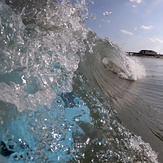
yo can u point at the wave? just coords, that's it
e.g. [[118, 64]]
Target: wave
[[109, 69], [54, 73]]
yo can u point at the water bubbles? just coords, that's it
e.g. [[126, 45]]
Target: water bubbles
[[106, 13], [29, 12], [30, 115], [11, 145], [47, 136], [59, 101], [77, 119], [47, 38]]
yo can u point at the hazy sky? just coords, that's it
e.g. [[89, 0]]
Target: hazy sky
[[132, 24]]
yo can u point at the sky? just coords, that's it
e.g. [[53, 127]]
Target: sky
[[133, 25]]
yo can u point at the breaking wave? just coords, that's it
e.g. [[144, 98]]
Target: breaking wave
[[53, 73]]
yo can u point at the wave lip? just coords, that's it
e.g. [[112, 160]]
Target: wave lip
[[131, 70]]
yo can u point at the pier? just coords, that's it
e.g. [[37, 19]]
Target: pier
[[146, 53]]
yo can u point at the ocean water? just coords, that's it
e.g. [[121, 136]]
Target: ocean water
[[67, 95], [143, 113]]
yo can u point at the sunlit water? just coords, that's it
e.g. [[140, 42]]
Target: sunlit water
[[60, 86]]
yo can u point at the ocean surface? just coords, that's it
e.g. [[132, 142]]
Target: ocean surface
[[68, 96], [144, 114]]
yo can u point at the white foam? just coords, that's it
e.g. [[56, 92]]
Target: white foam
[[135, 67]]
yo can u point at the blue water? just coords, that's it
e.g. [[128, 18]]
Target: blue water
[[67, 95], [46, 134]]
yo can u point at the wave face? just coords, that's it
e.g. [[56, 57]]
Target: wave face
[[110, 70], [53, 73]]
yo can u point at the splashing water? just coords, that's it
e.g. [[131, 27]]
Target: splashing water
[[49, 111], [46, 53]]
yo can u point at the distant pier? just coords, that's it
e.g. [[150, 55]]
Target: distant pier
[[147, 53]]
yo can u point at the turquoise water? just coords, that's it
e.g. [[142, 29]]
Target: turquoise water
[[65, 94]]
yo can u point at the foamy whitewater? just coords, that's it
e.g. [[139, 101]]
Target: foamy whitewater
[[59, 84]]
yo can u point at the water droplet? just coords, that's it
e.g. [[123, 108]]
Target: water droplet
[[11, 145], [77, 119], [106, 13]]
